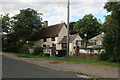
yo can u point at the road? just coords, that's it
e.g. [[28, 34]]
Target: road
[[12, 68]]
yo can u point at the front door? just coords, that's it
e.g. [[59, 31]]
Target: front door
[[53, 50]]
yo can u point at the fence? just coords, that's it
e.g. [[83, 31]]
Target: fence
[[89, 53]]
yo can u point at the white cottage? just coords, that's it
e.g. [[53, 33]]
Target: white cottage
[[51, 35]]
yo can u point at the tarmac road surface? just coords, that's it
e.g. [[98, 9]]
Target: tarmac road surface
[[12, 68]]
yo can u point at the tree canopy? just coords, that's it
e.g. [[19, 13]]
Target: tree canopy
[[109, 21], [112, 32], [26, 23], [5, 23], [114, 8], [88, 26]]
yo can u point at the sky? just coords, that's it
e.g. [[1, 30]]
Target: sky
[[55, 11]]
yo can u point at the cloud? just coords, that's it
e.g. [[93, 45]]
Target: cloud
[[88, 7], [55, 12], [55, 0], [55, 19]]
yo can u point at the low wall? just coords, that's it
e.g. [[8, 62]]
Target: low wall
[[91, 51]]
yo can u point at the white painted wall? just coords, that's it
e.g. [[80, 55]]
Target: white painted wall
[[62, 33], [99, 42], [73, 44], [98, 39], [48, 42]]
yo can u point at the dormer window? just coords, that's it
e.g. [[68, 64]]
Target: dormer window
[[53, 39]]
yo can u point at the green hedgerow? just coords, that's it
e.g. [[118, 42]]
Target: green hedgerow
[[38, 50]]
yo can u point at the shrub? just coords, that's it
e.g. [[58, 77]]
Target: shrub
[[24, 49], [38, 50], [103, 56], [10, 49], [108, 57]]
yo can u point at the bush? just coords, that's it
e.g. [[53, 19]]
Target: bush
[[108, 57], [10, 49], [24, 49], [38, 50], [103, 56]]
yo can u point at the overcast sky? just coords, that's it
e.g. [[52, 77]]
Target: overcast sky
[[56, 11]]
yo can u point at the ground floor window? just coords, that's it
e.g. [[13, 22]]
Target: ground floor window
[[64, 46], [44, 45]]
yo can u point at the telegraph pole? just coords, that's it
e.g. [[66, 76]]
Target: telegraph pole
[[68, 11]]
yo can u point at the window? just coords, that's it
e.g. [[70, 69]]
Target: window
[[64, 46], [53, 39], [92, 43], [45, 40], [47, 45], [53, 45], [44, 45]]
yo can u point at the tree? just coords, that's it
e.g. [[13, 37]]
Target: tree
[[109, 21], [26, 23], [87, 25], [5, 22], [114, 8], [112, 35]]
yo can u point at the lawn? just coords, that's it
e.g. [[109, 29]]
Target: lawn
[[70, 59]]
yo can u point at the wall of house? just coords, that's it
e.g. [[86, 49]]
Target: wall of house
[[96, 42], [62, 33], [48, 42], [98, 39], [73, 44], [71, 47], [99, 42]]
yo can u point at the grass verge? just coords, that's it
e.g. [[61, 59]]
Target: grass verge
[[29, 55], [77, 60], [86, 61]]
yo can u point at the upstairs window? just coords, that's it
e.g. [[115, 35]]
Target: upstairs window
[[45, 39], [53, 39]]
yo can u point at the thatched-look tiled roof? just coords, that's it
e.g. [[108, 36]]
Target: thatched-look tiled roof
[[47, 32]]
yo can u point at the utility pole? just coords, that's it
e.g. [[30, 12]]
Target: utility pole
[[68, 28]]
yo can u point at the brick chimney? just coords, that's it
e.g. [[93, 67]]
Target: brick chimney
[[45, 24]]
